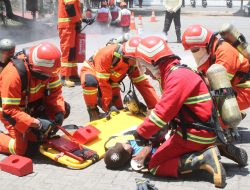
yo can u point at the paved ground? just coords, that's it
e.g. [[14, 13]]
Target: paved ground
[[48, 175]]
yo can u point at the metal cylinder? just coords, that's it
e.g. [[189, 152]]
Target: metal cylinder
[[231, 35], [227, 105]]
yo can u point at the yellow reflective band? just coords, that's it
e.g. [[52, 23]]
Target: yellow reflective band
[[154, 170], [102, 75], [67, 1], [64, 19], [11, 101], [1, 109], [139, 79], [90, 92], [156, 120], [197, 139], [63, 64], [116, 74], [230, 76], [198, 99], [173, 68], [115, 85], [159, 81], [116, 54], [244, 85], [12, 146], [36, 89], [55, 84], [241, 58]]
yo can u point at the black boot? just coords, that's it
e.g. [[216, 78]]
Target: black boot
[[234, 153], [178, 35], [206, 160], [93, 113]]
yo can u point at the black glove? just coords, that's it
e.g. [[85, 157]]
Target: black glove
[[45, 126], [59, 117], [140, 141], [88, 21], [144, 184], [78, 27]]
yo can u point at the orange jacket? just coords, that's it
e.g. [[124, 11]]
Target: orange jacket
[[64, 20], [106, 73], [13, 99], [234, 62]]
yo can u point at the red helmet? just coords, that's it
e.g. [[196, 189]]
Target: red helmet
[[45, 58], [111, 2], [129, 47], [152, 48], [196, 36]]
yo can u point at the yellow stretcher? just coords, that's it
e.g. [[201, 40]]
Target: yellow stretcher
[[119, 123]]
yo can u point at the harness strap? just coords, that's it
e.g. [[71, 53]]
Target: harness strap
[[117, 55], [223, 92]]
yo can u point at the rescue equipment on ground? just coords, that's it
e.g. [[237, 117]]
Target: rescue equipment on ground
[[223, 91], [132, 102], [106, 128], [17, 165]]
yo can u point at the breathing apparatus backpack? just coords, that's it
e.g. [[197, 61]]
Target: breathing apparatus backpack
[[221, 87], [212, 125]]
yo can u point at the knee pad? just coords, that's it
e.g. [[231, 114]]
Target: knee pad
[[67, 109], [90, 81]]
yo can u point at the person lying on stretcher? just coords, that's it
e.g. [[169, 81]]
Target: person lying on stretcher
[[123, 149]]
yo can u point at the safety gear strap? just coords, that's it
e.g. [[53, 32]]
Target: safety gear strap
[[223, 92], [21, 69], [212, 125], [117, 55]]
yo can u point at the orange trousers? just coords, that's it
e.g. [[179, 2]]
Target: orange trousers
[[91, 90], [68, 48]]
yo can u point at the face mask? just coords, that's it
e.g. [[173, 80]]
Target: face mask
[[149, 69], [201, 56]]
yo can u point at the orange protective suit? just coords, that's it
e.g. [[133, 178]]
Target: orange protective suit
[[234, 62], [102, 76], [47, 92], [67, 34]]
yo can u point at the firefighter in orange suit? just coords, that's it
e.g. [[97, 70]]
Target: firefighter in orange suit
[[208, 49], [69, 23], [101, 76], [31, 98]]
